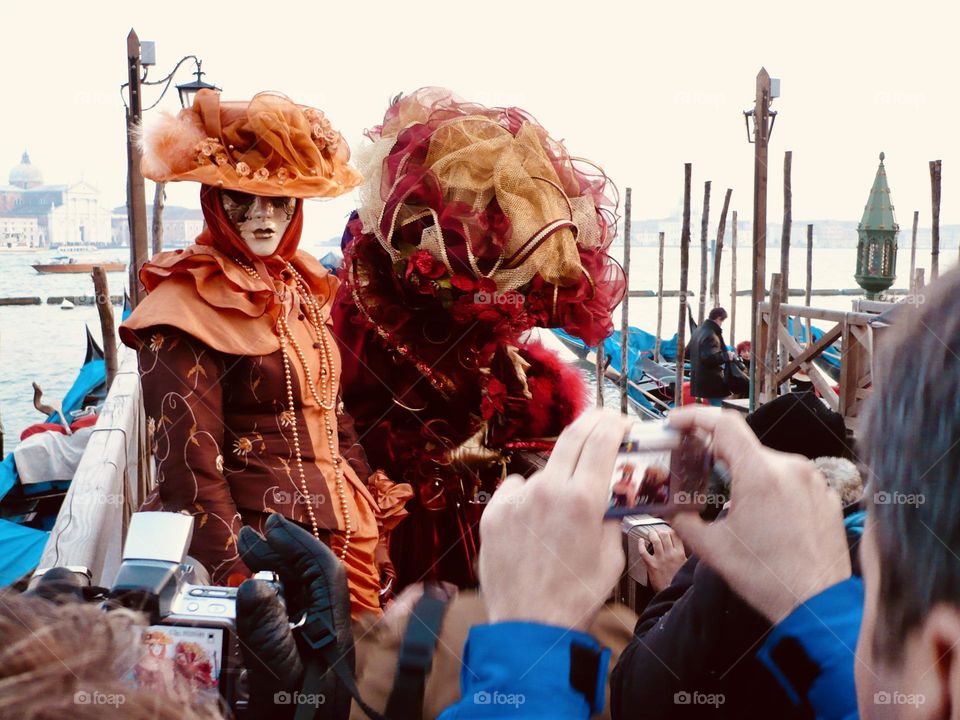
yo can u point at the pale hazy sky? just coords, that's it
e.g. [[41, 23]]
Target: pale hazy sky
[[640, 88]]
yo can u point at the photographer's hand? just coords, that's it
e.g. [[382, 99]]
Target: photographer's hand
[[782, 540], [317, 585], [547, 555], [665, 560]]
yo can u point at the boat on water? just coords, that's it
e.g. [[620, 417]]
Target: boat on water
[[69, 264]]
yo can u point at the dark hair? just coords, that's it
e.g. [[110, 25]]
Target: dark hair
[[718, 313], [910, 445]]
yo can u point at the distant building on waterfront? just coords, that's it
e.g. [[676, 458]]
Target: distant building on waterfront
[[180, 225], [34, 214]]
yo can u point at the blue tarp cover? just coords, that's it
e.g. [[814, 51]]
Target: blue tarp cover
[[22, 548]]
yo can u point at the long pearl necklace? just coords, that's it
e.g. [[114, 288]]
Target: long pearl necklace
[[309, 302]]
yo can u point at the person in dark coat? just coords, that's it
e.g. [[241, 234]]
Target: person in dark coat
[[708, 356]]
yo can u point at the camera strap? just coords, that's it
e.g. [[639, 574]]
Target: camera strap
[[416, 657], [313, 683]]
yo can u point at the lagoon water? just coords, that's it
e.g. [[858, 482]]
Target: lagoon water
[[45, 344]]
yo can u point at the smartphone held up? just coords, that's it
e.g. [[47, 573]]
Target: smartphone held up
[[660, 471]]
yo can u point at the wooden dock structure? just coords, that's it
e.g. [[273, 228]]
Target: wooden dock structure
[[110, 483]]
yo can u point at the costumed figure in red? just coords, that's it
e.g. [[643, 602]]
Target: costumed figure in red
[[474, 228]]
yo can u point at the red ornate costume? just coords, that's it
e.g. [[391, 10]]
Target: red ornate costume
[[474, 227]]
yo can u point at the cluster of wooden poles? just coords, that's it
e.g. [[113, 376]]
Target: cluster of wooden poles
[[916, 276]]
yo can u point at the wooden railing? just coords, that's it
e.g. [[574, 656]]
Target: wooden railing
[[855, 334], [111, 481]]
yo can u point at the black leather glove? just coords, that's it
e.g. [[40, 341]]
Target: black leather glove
[[317, 660], [270, 654]]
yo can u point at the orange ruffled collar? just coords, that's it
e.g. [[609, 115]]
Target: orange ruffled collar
[[207, 294]]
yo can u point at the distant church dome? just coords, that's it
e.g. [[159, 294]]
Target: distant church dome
[[26, 175]]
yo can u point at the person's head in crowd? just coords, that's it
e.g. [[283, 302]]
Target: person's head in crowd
[[72, 661], [718, 315], [843, 478], [909, 644], [800, 423], [744, 351]]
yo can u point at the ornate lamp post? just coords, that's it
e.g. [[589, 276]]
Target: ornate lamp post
[[140, 57], [877, 246], [763, 119]]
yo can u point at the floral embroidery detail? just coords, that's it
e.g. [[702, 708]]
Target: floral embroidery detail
[[219, 463], [287, 418], [221, 159], [198, 368], [193, 435], [242, 446], [283, 174], [156, 342], [261, 174], [243, 169]]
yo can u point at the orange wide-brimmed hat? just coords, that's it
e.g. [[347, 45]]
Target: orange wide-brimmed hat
[[268, 146]]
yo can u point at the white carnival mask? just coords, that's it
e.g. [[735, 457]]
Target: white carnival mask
[[261, 221]]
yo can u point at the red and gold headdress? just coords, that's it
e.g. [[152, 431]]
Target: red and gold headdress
[[474, 226]]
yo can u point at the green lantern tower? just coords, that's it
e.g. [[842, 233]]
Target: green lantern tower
[[877, 246]]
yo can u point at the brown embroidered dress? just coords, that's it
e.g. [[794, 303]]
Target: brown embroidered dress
[[211, 339]]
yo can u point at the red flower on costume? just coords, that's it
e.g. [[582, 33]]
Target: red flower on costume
[[494, 399]]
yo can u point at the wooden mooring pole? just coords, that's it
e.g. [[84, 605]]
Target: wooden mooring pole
[[656, 347], [704, 222], [809, 277], [761, 136], [785, 241], [770, 389], [733, 281], [108, 326], [684, 269], [159, 200], [935, 227], [718, 253], [787, 222], [913, 250], [136, 201], [625, 307]]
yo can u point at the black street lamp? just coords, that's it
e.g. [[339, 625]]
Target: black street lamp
[[188, 91]]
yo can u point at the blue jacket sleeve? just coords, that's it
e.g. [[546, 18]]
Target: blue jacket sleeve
[[811, 652], [522, 671]]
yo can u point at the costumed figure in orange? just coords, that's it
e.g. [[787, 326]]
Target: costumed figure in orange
[[474, 228], [240, 373]]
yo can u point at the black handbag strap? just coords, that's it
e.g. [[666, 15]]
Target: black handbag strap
[[416, 657]]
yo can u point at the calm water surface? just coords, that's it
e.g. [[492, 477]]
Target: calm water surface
[[45, 344]]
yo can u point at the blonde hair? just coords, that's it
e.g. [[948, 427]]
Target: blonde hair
[[842, 476], [71, 661]]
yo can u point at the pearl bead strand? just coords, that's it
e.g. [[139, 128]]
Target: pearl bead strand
[[286, 338]]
